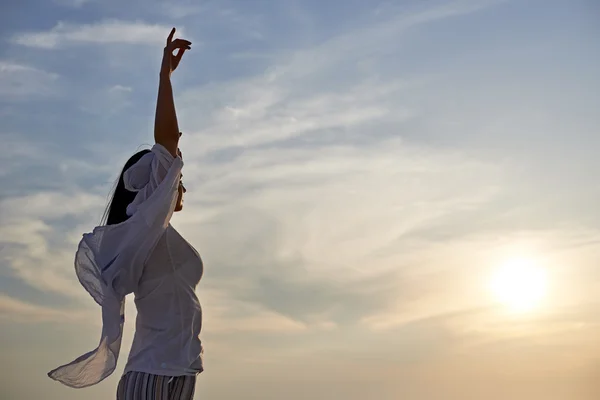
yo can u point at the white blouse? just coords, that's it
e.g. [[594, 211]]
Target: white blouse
[[146, 256]]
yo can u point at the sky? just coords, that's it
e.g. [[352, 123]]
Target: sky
[[358, 175]]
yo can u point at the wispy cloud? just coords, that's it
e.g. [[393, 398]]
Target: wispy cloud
[[226, 316], [105, 32], [32, 250], [17, 311], [73, 3], [180, 9], [22, 152], [20, 82], [120, 89], [107, 101]]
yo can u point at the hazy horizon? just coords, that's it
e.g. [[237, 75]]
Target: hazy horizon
[[393, 199]]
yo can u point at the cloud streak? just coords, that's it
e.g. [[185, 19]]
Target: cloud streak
[[16, 311], [106, 32], [21, 82]]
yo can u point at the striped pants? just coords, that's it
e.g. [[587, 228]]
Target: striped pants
[[143, 386]]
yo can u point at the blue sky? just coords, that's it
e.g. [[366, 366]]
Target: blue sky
[[356, 172]]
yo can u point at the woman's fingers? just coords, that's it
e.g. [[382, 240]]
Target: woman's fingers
[[180, 53], [170, 38], [177, 57], [177, 43], [180, 43], [181, 47]]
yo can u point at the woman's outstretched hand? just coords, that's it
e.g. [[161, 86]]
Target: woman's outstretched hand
[[170, 61]]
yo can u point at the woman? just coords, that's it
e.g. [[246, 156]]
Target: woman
[[138, 251]]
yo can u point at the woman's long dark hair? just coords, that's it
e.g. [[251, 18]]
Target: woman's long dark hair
[[116, 211]]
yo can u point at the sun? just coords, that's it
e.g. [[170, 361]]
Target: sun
[[519, 284]]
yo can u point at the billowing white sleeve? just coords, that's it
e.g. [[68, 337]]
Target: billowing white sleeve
[[110, 260]]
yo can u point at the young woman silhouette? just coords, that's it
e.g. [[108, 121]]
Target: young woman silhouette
[[137, 251]]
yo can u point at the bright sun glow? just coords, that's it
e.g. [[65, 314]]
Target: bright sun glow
[[519, 284]]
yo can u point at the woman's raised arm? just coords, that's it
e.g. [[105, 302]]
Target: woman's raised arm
[[166, 129]]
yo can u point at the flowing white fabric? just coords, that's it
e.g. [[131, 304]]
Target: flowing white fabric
[[110, 260]]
